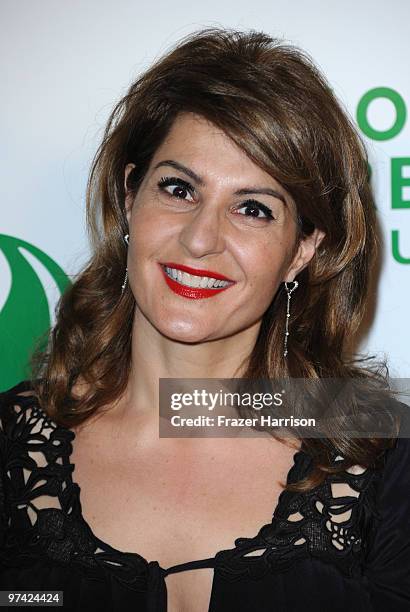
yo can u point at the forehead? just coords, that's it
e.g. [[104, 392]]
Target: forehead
[[207, 150]]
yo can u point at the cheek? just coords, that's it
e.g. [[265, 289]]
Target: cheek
[[264, 267], [149, 232], [265, 286]]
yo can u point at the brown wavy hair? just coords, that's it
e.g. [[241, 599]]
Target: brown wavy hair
[[273, 102]]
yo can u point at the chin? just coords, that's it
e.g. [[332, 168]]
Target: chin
[[182, 331]]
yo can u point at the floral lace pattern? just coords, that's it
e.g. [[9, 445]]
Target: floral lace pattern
[[329, 522], [44, 518]]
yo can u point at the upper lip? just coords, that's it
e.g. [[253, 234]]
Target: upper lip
[[196, 271]]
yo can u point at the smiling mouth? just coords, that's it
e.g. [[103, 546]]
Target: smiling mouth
[[193, 285]]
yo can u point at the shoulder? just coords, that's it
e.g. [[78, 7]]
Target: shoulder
[[397, 457], [395, 477], [392, 515], [14, 401], [387, 561], [20, 413], [22, 390], [29, 438]]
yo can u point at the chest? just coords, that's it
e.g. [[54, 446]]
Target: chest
[[176, 503]]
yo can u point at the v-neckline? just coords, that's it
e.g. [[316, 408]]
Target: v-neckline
[[102, 544], [153, 571], [106, 547]]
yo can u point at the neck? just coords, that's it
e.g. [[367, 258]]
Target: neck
[[156, 356]]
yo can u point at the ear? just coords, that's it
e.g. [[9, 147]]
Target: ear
[[129, 196], [304, 254]]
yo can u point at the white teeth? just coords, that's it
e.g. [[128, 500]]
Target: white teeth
[[171, 272], [186, 279], [191, 280]]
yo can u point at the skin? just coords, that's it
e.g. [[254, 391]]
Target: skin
[[212, 229], [174, 486]]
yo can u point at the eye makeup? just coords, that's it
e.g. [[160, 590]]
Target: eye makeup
[[168, 181], [258, 206]]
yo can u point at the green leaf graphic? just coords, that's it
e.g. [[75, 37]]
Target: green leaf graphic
[[25, 316]]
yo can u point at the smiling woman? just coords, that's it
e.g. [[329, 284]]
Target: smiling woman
[[232, 216], [233, 234]]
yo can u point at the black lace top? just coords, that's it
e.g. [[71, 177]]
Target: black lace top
[[343, 546]]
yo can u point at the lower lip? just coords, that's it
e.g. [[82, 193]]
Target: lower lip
[[194, 293]]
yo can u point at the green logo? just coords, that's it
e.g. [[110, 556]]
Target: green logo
[[399, 166], [399, 107], [25, 316]]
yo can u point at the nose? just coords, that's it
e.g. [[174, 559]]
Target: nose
[[203, 231]]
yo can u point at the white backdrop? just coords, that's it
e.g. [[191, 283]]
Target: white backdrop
[[65, 63]]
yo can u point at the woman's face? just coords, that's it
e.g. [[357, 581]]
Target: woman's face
[[204, 204]]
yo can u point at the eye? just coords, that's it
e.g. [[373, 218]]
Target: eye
[[179, 187], [254, 208]]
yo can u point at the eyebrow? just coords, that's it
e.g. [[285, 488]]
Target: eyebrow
[[244, 191]]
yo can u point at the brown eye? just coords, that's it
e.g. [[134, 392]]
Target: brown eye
[[179, 188], [253, 209]]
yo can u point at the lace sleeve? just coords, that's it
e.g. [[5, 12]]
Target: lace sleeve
[[8, 401], [387, 563], [3, 451]]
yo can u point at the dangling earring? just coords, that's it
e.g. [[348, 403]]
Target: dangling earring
[[126, 238], [289, 292]]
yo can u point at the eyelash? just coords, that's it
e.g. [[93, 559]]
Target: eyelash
[[167, 181]]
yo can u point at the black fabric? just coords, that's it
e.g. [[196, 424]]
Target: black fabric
[[340, 549]]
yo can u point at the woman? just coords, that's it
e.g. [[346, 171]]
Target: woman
[[229, 156]]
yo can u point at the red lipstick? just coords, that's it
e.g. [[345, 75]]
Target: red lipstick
[[193, 292], [196, 271]]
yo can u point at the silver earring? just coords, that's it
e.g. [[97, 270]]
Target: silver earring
[[126, 238], [289, 292]]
